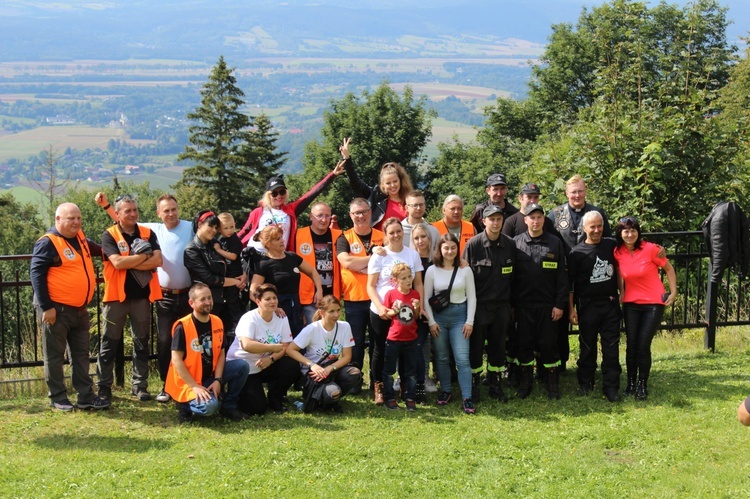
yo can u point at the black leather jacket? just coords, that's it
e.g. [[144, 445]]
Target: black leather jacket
[[205, 265]]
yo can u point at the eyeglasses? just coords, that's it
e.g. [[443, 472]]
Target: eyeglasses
[[359, 213], [416, 205], [628, 220], [321, 217], [280, 192]]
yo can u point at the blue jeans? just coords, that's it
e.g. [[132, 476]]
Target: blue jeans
[[235, 374], [409, 351], [358, 317], [451, 322]]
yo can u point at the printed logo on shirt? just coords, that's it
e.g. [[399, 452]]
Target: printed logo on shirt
[[602, 271], [356, 248], [549, 265], [305, 249], [68, 253], [405, 314], [196, 346], [507, 270], [122, 246]]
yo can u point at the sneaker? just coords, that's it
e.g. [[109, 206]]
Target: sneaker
[[411, 405], [184, 416], [397, 385], [141, 394], [105, 393], [163, 397], [95, 403], [420, 395], [468, 406], [430, 386], [444, 398], [63, 405], [234, 414], [391, 404]]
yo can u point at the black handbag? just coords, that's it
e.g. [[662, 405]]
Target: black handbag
[[440, 301]]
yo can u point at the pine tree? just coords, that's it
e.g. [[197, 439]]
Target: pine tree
[[232, 159]]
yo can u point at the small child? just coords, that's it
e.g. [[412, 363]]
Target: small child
[[230, 247], [403, 308]]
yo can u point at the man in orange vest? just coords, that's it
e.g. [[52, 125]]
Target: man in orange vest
[[353, 251], [453, 211], [64, 280], [316, 245], [199, 367], [131, 255]]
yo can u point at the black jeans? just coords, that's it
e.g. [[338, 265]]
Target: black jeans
[[641, 323], [379, 331], [168, 310], [599, 318], [279, 376]]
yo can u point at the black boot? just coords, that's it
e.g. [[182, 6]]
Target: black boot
[[513, 374], [553, 383], [641, 390], [525, 379], [630, 387], [496, 388], [476, 382]]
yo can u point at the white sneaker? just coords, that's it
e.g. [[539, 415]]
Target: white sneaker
[[163, 397], [397, 385], [430, 386]]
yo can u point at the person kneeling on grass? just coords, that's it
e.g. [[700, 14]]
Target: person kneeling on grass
[[403, 306], [328, 346], [198, 368]]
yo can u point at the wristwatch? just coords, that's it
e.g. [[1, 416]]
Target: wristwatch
[[219, 379], [333, 366]]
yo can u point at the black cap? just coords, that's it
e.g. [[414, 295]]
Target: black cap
[[532, 208], [496, 179], [275, 182], [530, 189], [492, 209]]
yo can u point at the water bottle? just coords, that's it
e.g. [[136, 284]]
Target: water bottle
[[299, 405]]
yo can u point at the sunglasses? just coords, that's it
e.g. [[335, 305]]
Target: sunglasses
[[628, 220], [125, 197], [280, 192]]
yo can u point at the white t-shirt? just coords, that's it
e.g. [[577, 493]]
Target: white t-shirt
[[382, 266], [172, 273], [272, 216], [251, 325], [317, 341], [437, 279]]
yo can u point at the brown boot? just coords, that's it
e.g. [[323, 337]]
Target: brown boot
[[379, 393]]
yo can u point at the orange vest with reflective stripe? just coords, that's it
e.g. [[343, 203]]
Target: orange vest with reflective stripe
[[467, 232], [114, 280], [74, 281], [303, 246], [354, 284], [176, 386]]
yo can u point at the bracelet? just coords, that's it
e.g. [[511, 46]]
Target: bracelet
[[105, 208]]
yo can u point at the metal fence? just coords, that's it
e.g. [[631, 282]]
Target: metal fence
[[20, 344]]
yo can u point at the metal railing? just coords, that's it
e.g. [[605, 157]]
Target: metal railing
[[20, 344]]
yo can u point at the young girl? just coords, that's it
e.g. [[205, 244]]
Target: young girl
[[328, 341], [403, 307]]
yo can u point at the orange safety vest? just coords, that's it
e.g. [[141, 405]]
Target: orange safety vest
[[114, 280], [467, 232], [176, 386], [74, 281], [354, 284], [303, 246]]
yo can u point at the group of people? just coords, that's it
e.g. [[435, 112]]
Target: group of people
[[477, 297]]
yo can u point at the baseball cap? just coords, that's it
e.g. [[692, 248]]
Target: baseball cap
[[275, 182], [496, 179], [532, 208], [530, 189], [491, 210]]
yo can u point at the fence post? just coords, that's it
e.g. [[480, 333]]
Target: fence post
[[709, 334]]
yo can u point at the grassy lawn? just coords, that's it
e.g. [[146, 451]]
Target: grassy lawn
[[683, 442]]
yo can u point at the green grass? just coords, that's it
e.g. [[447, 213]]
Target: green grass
[[683, 442]]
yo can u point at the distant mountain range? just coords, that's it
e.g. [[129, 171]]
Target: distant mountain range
[[201, 30]]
